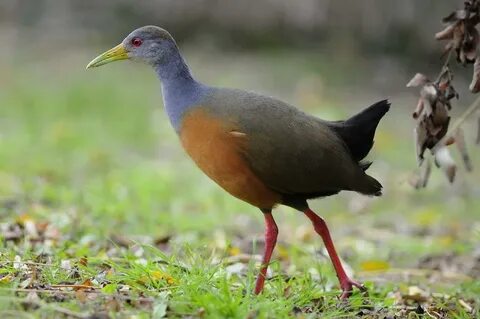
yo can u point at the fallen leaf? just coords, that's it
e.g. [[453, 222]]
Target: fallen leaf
[[30, 229], [157, 276], [234, 251], [201, 312], [160, 306], [22, 218], [236, 269], [465, 305], [121, 240], [5, 279], [162, 240], [87, 284], [374, 265], [66, 264], [416, 294], [83, 261], [242, 258], [17, 262]]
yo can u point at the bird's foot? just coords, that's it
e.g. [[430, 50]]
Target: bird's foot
[[347, 287]]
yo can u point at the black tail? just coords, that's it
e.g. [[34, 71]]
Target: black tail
[[358, 131], [370, 186]]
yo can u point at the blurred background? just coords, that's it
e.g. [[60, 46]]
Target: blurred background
[[93, 151]]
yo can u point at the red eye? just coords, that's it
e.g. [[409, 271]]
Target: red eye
[[136, 42]]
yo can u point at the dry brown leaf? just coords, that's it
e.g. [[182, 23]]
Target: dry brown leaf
[[86, 285], [121, 240], [420, 138], [83, 261], [461, 34], [418, 109], [469, 45], [455, 16], [431, 113], [475, 84], [446, 34], [418, 80], [444, 160], [162, 240]]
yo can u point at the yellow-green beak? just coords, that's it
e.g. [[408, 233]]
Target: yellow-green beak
[[115, 54]]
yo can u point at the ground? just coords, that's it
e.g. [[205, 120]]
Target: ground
[[104, 216]]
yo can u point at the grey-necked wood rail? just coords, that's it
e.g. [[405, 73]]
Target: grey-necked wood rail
[[259, 149]]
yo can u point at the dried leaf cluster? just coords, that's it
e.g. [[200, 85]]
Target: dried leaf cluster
[[461, 32], [434, 105]]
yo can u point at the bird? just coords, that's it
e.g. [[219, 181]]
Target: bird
[[257, 148]]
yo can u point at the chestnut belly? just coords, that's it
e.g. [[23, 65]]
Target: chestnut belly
[[216, 148]]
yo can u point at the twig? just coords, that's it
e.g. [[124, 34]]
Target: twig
[[445, 66], [478, 129], [462, 148], [74, 286]]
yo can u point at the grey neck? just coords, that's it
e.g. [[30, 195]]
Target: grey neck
[[179, 88]]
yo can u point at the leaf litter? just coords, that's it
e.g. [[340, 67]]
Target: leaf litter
[[91, 287]]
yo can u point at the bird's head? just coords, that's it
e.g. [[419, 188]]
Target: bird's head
[[149, 44]]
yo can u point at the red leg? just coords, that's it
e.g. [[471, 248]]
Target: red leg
[[271, 232], [321, 228]]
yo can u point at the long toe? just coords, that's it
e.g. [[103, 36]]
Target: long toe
[[347, 288]]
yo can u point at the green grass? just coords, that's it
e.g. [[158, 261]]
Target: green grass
[[91, 156]]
